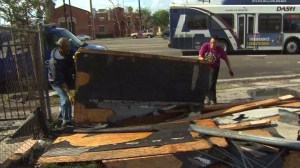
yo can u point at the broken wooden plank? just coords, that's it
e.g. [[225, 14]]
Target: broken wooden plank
[[90, 140], [249, 124], [135, 54], [215, 107], [291, 105], [295, 99], [219, 141], [281, 142], [146, 162], [127, 129], [129, 153], [246, 106], [85, 115]]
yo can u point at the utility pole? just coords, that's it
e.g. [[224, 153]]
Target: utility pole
[[71, 26], [92, 20], [66, 21], [140, 16]]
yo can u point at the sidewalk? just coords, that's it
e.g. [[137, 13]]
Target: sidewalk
[[235, 89]]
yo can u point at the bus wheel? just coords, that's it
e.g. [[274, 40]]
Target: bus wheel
[[224, 45], [291, 46]]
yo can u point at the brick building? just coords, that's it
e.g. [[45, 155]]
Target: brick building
[[81, 22], [114, 22]]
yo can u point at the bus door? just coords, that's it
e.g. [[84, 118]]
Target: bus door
[[246, 26]]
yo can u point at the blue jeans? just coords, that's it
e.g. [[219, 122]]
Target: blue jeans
[[65, 104]]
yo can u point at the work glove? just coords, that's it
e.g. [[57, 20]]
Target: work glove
[[231, 73], [71, 97], [75, 56]]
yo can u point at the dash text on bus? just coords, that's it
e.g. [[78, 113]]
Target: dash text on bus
[[286, 9]]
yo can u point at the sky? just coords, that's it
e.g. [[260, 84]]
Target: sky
[[153, 5]]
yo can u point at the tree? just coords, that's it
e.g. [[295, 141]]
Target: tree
[[128, 16], [146, 18], [161, 18], [115, 12], [129, 9], [21, 13]]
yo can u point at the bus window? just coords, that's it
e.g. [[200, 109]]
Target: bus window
[[291, 23], [197, 22], [228, 19], [269, 23]]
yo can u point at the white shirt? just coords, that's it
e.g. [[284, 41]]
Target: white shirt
[[55, 54]]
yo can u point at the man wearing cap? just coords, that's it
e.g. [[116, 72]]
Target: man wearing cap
[[60, 78]]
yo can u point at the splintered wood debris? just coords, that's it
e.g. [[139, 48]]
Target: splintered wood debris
[[225, 134]]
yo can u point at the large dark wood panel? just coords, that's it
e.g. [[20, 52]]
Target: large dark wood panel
[[114, 75], [170, 138]]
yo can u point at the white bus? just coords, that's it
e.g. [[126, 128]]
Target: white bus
[[249, 25]]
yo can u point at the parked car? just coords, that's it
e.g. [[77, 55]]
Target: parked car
[[143, 34], [84, 37]]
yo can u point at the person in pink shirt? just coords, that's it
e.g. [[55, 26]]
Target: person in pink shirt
[[212, 53]]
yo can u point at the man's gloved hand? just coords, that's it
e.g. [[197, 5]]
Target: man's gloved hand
[[71, 97], [231, 73]]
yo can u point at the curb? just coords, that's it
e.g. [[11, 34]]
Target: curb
[[256, 79]]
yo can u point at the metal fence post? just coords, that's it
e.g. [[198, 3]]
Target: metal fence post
[[45, 82], [36, 52]]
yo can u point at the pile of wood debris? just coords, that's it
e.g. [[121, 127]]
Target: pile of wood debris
[[260, 133]]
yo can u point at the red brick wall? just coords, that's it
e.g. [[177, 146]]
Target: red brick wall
[[82, 19], [112, 20], [106, 22]]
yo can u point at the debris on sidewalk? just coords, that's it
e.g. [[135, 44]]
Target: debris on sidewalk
[[154, 118], [256, 138]]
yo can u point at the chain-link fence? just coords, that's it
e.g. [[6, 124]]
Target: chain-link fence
[[22, 91]]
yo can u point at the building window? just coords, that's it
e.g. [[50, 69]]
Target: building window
[[101, 29], [62, 24], [101, 19]]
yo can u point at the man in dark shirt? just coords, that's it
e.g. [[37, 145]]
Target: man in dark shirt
[[60, 78], [212, 53]]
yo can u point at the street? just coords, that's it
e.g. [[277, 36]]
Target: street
[[245, 64]]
